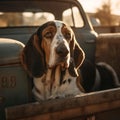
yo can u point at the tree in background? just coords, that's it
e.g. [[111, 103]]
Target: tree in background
[[104, 14]]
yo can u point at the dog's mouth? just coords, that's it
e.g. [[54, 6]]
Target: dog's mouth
[[62, 61]]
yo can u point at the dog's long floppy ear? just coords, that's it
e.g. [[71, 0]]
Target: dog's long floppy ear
[[77, 57], [33, 57]]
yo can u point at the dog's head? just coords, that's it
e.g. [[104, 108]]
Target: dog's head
[[53, 44]]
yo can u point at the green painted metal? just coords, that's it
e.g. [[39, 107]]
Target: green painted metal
[[14, 84]]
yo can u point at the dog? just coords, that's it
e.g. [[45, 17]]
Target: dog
[[52, 57]]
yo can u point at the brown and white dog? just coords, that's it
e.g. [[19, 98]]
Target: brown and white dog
[[52, 57]]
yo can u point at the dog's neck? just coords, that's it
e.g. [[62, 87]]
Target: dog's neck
[[55, 76], [55, 83]]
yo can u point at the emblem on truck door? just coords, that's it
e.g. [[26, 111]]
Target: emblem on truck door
[[7, 81]]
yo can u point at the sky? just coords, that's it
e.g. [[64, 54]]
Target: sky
[[92, 5]]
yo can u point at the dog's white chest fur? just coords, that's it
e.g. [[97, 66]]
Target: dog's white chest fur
[[51, 86]]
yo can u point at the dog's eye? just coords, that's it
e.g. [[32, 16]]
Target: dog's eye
[[48, 35], [67, 36]]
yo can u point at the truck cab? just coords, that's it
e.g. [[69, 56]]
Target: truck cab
[[25, 17]]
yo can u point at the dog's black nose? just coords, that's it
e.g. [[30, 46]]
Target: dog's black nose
[[62, 50]]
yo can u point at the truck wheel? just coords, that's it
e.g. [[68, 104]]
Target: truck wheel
[[108, 76]]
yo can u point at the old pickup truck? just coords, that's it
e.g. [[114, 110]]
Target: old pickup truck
[[18, 21]]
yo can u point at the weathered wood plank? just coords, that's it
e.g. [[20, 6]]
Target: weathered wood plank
[[76, 112], [108, 50], [68, 107]]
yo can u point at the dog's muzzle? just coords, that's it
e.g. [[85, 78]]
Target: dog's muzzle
[[63, 55]]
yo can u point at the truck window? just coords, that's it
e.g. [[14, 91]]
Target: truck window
[[12, 19], [73, 17]]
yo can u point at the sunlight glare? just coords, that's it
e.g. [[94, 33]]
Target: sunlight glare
[[92, 5], [27, 14]]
